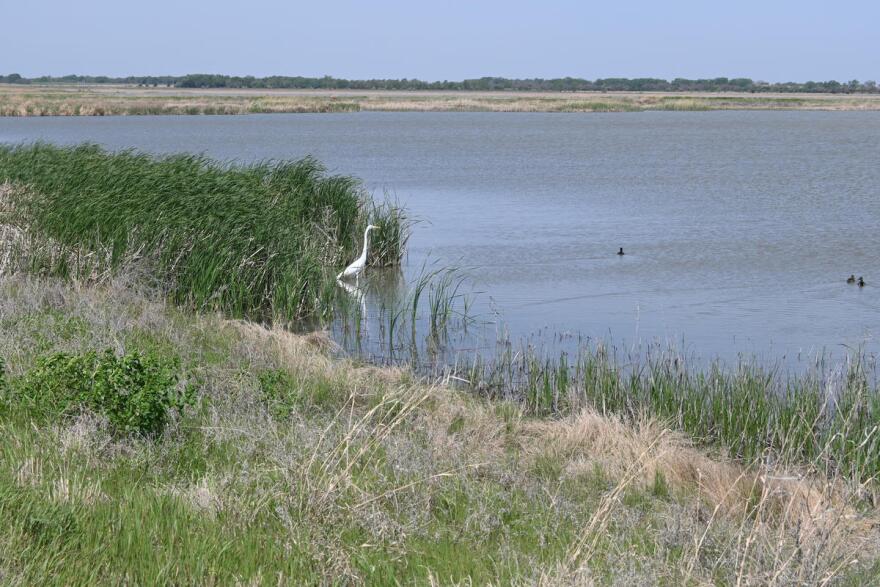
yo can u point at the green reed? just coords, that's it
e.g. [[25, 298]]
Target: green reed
[[252, 241], [825, 418]]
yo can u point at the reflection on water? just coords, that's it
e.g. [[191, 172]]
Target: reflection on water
[[423, 322], [740, 228]]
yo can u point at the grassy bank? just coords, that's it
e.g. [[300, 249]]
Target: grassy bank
[[826, 417], [259, 241], [50, 100], [284, 466]]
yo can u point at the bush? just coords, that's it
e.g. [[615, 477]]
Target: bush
[[135, 391], [277, 388]]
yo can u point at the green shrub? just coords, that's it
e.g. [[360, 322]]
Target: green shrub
[[135, 391]]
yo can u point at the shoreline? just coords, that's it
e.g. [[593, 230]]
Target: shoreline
[[290, 464], [75, 100]]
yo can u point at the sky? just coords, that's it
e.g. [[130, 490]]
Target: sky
[[768, 40]]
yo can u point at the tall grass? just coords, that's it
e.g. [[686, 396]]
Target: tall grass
[[257, 241], [825, 418], [388, 243]]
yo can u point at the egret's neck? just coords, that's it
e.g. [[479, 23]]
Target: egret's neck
[[363, 256]]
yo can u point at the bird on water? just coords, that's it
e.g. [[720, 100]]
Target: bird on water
[[861, 281], [620, 252], [357, 267], [851, 279]]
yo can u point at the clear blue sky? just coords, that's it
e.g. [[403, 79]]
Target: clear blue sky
[[771, 40]]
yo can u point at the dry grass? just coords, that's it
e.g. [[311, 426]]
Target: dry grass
[[789, 515], [769, 505], [104, 101], [785, 526]]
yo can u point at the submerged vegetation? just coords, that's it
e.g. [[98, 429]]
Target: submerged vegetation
[[258, 241]]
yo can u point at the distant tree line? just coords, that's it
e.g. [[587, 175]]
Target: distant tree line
[[137, 80], [566, 84]]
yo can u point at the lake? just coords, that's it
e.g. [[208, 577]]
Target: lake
[[739, 228]]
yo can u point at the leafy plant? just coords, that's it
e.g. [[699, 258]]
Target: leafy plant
[[276, 386], [135, 391]]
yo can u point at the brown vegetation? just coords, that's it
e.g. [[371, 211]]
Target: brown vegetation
[[35, 100]]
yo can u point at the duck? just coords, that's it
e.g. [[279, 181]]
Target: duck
[[851, 279], [620, 252], [861, 281]]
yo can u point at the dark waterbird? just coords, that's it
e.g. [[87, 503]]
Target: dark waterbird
[[861, 281], [851, 279], [620, 252]]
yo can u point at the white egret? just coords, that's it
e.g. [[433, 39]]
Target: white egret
[[356, 268]]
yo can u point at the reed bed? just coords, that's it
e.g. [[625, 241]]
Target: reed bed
[[55, 102], [260, 241]]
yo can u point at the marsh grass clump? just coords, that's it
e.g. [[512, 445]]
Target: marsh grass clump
[[417, 325], [248, 240]]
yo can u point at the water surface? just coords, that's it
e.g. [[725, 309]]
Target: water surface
[[739, 228]]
